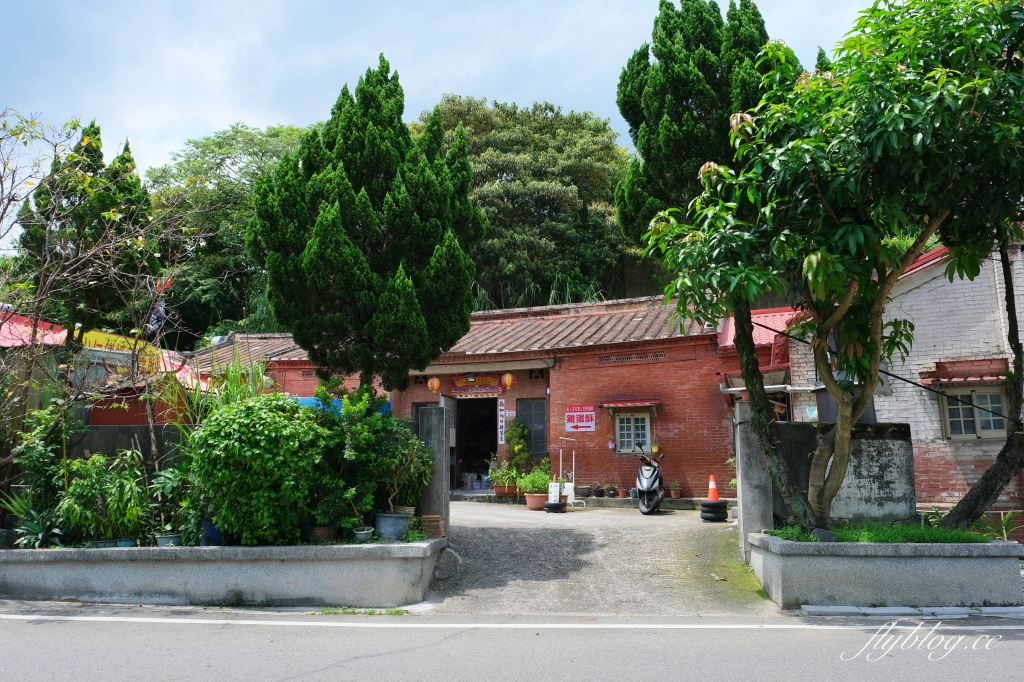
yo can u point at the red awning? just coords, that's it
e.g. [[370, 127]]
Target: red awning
[[644, 402]]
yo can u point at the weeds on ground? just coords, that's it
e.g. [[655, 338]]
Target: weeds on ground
[[348, 611]]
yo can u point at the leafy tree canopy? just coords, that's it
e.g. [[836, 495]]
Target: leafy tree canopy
[[678, 105], [74, 224], [220, 288], [362, 234], [843, 178], [545, 180]]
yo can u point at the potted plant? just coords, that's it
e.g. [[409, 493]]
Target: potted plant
[[610, 490], [674, 490], [598, 489], [404, 471], [534, 486], [362, 532], [624, 492], [504, 478], [611, 441]]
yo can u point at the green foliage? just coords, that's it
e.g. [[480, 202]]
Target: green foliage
[[503, 473], [254, 461], [545, 180], [534, 482], [678, 105], [36, 529], [823, 63], [362, 234], [998, 528], [220, 288], [42, 471], [85, 204], [106, 500], [883, 532], [516, 436]]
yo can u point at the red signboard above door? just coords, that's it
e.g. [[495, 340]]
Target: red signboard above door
[[482, 386]]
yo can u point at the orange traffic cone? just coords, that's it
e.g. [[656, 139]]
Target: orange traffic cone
[[712, 490]]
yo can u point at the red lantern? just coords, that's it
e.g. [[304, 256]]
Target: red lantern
[[434, 384], [508, 380]]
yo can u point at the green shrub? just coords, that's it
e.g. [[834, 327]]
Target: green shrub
[[535, 482], [504, 474], [106, 500], [254, 462], [516, 436]]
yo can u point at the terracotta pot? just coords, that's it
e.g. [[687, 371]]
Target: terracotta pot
[[563, 498], [504, 490], [623, 493], [322, 534], [676, 493], [535, 501]]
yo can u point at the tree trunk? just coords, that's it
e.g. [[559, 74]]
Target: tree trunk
[[1010, 459], [762, 415]]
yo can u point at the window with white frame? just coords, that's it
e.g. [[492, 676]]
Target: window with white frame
[[633, 430], [975, 414]]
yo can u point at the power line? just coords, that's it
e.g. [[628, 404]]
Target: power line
[[905, 380]]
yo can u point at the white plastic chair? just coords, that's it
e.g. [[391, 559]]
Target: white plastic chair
[[569, 489]]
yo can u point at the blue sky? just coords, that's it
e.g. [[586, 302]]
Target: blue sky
[[159, 73]]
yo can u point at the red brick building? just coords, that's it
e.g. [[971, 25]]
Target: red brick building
[[615, 376]]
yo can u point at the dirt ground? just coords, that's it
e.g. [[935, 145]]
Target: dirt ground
[[610, 562]]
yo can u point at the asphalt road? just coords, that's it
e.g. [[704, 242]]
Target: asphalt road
[[199, 645], [592, 595]]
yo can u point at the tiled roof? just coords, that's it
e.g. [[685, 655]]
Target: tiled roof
[[16, 331], [250, 348], [924, 260], [571, 326], [771, 318]]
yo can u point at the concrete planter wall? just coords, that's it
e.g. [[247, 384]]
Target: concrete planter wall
[[374, 576], [896, 574]]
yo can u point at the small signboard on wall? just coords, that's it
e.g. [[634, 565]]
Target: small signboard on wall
[[580, 418], [501, 421]]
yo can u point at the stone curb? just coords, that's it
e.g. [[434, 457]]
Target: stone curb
[[682, 504], [885, 549]]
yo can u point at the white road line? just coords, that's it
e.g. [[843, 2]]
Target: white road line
[[481, 626]]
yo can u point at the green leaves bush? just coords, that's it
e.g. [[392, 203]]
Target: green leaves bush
[[255, 462]]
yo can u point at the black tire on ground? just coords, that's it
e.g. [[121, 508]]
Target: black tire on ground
[[648, 502], [714, 504], [714, 516]]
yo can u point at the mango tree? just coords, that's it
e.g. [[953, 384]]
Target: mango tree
[[843, 178]]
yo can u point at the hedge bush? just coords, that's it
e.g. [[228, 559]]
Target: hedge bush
[[254, 463]]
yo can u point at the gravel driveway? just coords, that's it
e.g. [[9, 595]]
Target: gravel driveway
[[600, 562]]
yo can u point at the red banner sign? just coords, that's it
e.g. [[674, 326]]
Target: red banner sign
[[482, 386]]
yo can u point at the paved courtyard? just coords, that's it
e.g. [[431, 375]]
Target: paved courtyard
[[601, 562]]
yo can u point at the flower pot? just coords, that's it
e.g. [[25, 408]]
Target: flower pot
[[322, 534], [125, 542], [676, 493], [535, 501], [623, 493], [583, 491], [655, 448], [363, 534], [169, 540], [211, 537], [6, 538], [504, 490], [633, 493], [392, 526], [104, 544], [598, 492], [405, 510], [611, 445]]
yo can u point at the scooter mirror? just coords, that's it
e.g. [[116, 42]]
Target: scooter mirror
[[661, 457]]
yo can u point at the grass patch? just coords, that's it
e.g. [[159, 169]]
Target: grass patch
[[884, 532], [347, 611]]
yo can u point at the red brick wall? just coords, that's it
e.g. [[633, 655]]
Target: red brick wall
[[693, 423], [299, 378], [945, 470]]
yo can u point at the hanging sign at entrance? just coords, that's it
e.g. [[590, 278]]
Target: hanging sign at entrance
[[475, 386], [501, 421], [580, 418]]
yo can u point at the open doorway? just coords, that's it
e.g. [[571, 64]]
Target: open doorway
[[476, 439]]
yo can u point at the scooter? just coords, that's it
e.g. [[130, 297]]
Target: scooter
[[649, 488]]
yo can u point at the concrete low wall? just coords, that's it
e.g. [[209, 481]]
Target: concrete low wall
[[884, 574], [373, 576]]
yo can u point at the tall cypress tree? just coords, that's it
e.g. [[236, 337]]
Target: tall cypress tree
[[678, 105], [362, 233]]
